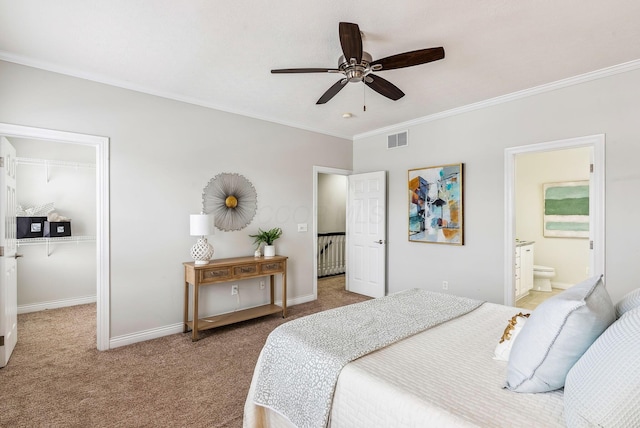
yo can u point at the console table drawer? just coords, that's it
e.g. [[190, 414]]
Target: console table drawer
[[245, 270], [272, 267], [212, 275]]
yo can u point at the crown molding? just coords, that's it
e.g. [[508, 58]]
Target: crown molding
[[547, 87]]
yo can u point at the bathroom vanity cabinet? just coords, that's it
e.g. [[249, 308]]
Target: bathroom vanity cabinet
[[523, 268]]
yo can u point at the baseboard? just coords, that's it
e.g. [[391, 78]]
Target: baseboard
[[561, 285], [154, 333], [141, 336], [299, 300], [54, 304]]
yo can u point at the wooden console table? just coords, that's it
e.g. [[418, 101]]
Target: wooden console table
[[226, 270]]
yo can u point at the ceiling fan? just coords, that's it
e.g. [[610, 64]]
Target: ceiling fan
[[357, 66]]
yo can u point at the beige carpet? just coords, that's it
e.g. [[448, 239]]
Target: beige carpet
[[57, 378]]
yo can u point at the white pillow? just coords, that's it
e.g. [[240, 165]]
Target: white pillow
[[603, 387], [629, 301], [556, 335], [503, 349]]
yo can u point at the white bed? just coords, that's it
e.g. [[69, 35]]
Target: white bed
[[445, 376]]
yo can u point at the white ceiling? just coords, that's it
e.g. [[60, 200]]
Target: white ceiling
[[220, 53]]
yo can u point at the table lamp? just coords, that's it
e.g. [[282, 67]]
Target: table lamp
[[202, 226]]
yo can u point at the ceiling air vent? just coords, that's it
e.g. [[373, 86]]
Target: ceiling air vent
[[395, 141]]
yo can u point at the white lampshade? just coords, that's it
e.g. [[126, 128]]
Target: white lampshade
[[201, 225]]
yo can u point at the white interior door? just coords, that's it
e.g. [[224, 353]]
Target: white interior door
[[367, 234], [8, 270]]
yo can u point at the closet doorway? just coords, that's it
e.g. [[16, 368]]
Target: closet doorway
[[99, 146]]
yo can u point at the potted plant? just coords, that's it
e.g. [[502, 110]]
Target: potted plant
[[267, 237]]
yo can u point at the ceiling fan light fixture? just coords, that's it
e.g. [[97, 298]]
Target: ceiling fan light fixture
[[355, 72], [358, 66]]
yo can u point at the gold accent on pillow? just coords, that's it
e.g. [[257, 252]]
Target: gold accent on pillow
[[512, 324]]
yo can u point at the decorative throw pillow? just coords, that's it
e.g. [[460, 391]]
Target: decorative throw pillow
[[629, 301], [603, 387], [503, 349], [556, 335]]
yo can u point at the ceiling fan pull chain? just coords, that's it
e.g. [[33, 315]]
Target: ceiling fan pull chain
[[364, 98]]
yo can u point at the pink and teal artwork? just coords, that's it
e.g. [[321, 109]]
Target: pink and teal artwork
[[435, 204], [566, 209]]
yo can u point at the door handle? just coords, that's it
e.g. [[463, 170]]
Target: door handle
[[18, 255], [379, 242]]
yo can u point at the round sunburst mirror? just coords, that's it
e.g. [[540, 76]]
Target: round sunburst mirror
[[232, 200]]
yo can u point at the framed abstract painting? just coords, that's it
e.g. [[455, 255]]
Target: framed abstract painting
[[566, 209], [435, 204]]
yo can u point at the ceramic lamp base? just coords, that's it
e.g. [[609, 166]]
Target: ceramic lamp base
[[202, 252]]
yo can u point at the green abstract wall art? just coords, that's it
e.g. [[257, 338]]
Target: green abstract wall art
[[566, 209]]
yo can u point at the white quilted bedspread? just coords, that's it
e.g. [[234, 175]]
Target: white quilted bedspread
[[443, 377]]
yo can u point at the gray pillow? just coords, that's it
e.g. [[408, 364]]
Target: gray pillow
[[556, 335], [629, 301], [603, 387]]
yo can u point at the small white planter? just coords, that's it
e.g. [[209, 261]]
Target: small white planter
[[269, 250]]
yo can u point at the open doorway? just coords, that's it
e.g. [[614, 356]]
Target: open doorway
[[557, 248], [565, 258], [100, 147], [332, 225], [329, 226], [366, 231]]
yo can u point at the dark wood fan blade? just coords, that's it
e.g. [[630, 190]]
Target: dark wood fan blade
[[384, 87], [305, 70], [332, 91], [351, 41], [409, 59]]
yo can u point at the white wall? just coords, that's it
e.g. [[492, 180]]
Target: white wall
[[162, 155], [569, 256], [478, 138], [65, 273], [332, 203]]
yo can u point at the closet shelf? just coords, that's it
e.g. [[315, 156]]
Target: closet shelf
[[63, 239], [47, 162], [24, 242]]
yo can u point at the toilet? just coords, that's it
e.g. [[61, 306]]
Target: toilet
[[542, 277]]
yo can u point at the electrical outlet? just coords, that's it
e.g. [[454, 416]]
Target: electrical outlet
[[234, 289], [262, 285], [445, 285]]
